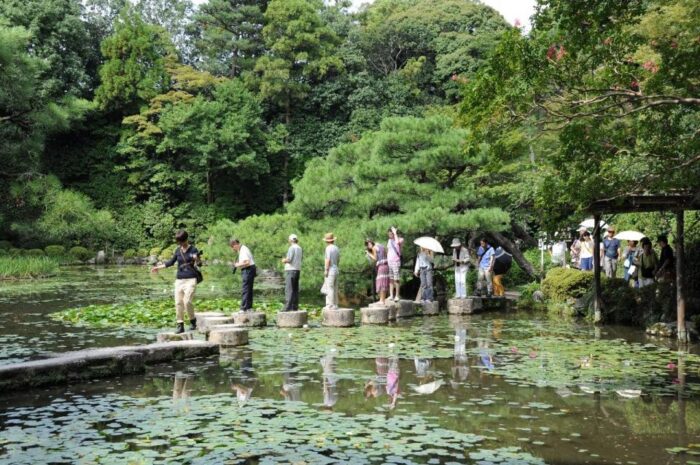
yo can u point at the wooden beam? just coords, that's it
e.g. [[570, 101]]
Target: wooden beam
[[597, 292], [680, 275]]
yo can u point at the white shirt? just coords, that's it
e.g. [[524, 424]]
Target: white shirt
[[294, 255], [244, 254]]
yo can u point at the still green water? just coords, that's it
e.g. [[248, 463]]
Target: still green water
[[492, 388]]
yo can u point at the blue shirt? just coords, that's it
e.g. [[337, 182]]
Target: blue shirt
[[611, 247], [185, 262], [485, 256]]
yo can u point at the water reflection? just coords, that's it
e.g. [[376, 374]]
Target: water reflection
[[376, 387], [460, 365], [182, 385], [243, 379], [291, 385], [392, 381], [330, 380]]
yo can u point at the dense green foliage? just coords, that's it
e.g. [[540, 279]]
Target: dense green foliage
[[561, 284]]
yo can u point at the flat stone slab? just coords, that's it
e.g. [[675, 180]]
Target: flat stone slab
[[252, 319], [229, 336], [292, 319], [209, 329], [99, 363], [210, 321], [374, 315], [406, 309], [200, 316], [171, 337], [431, 308], [464, 306], [338, 317]]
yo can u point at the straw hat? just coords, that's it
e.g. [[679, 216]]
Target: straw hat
[[329, 237], [582, 229], [456, 243]]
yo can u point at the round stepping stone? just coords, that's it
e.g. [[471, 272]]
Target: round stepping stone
[[464, 306], [339, 317], [407, 309], [229, 336], [431, 308], [210, 321], [209, 329], [374, 315], [250, 319], [170, 337], [293, 319], [200, 316]]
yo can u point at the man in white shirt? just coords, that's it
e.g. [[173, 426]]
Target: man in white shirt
[[332, 260], [246, 264], [292, 270]]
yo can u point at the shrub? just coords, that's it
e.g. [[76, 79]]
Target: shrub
[[55, 250], [5, 245], [142, 253], [81, 253], [166, 254], [15, 252], [27, 267], [155, 251], [34, 253], [129, 253], [563, 283]]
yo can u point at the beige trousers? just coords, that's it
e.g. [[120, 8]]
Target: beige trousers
[[184, 298]]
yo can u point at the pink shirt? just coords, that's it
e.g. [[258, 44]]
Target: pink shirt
[[393, 248]]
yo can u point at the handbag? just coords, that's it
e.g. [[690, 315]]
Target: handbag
[[627, 263], [197, 272]]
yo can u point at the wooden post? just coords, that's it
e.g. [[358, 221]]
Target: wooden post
[[680, 275], [596, 269]]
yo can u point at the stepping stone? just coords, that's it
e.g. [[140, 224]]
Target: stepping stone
[[229, 336], [339, 317], [431, 308], [406, 309], [393, 309], [374, 315], [210, 328], [171, 336], [250, 319], [209, 321], [200, 316], [464, 306], [294, 319]]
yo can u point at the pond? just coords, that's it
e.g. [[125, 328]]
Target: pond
[[492, 388]]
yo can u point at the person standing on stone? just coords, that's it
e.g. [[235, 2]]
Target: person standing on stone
[[393, 252], [424, 269], [486, 262], [460, 258], [377, 255], [331, 262], [611, 254], [586, 255], [187, 257], [246, 264], [292, 271]]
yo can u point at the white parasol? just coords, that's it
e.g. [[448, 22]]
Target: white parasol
[[429, 243], [589, 223], [629, 236]]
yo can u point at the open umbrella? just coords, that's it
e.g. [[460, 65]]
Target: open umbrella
[[629, 236], [589, 223], [429, 243]]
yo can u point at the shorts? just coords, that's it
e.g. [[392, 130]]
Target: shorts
[[395, 271], [587, 264]]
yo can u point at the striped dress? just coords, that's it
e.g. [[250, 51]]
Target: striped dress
[[382, 282]]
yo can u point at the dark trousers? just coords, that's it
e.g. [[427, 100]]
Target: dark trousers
[[426, 282], [247, 278], [291, 290]]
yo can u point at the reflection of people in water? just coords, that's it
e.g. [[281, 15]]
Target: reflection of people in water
[[182, 386], [460, 368], [485, 355], [375, 387], [291, 387], [330, 390], [392, 381], [244, 382], [422, 367]]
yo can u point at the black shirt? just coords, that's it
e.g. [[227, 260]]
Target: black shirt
[[666, 257], [185, 262]]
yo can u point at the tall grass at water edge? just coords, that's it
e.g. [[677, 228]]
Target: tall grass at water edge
[[27, 267]]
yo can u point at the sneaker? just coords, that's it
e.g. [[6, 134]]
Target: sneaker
[[396, 299], [180, 328]]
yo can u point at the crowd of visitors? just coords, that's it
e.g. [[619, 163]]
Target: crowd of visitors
[[640, 264]]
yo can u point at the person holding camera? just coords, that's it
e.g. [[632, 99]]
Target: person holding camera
[[246, 264], [377, 255], [292, 271], [187, 257]]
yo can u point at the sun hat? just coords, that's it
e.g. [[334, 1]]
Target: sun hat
[[582, 229], [456, 243], [293, 237], [329, 237]]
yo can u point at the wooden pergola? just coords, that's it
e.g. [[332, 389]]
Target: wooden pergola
[[677, 203]]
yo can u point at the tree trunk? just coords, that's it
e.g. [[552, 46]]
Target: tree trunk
[[523, 235], [597, 290], [518, 256], [680, 278]]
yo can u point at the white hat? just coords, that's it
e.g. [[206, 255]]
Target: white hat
[[293, 237]]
